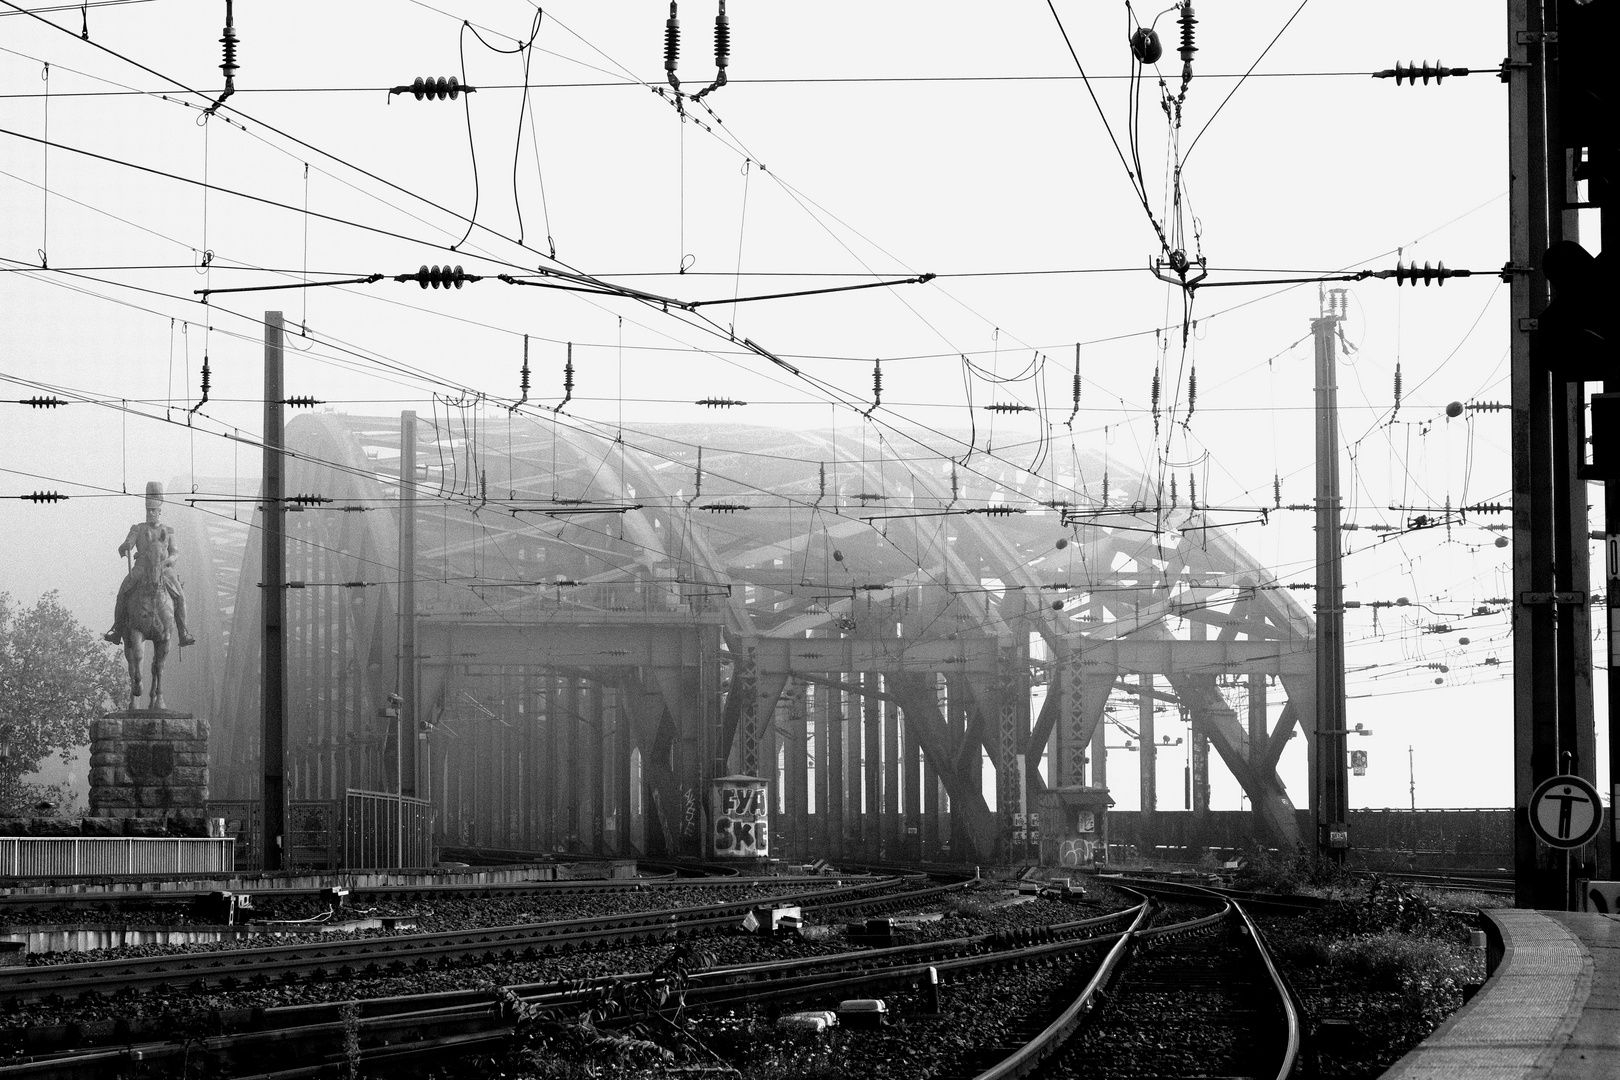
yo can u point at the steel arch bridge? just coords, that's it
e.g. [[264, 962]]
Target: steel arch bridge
[[604, 622]]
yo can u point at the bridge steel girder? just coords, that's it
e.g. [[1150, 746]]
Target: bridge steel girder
[[343, 653], [657, 604], [944, 748], [1213, 717]]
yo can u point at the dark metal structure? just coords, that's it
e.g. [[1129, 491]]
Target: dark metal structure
[[1561, 135], [604, 622]]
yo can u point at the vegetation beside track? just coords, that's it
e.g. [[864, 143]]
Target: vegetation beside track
[[1378, 969]]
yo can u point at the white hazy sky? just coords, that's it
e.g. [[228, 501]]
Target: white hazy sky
[[854, 139]]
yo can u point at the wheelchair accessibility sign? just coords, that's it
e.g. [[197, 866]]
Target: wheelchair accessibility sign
[[1565, 812]]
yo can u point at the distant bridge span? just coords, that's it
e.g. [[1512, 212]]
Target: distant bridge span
[[603, 625]]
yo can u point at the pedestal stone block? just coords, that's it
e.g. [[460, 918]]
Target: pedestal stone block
[[150, 764]]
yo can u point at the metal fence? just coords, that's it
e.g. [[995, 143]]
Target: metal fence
[[363, 830], [381, 830], [98, 856], [1380, 839]]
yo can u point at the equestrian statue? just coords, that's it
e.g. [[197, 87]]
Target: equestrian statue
[[151, 603]]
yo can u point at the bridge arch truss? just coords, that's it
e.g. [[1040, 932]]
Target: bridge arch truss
[[605, 622]]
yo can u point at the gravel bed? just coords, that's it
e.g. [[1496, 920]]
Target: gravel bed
[[910, 1046], [1180, 1010]]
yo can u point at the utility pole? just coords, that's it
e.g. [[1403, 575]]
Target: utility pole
[[273, 610], [1332, 795]]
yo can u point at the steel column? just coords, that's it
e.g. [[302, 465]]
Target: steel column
[[1257, 743], [837, 729], [1330, 799], [272, 605], [405, 743]]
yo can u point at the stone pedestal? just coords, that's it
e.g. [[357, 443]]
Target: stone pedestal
[[149, 764]]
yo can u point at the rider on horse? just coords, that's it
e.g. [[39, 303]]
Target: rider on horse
[[154, 544]]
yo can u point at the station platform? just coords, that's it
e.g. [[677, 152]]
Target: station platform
[[1550, 1010]]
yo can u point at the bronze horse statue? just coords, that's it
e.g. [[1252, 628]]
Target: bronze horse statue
[[151, 603], [148, 616]]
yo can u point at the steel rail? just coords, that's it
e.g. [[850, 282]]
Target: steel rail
[[1051, 1038], [231, 967], [1287, 998], [1280, 903]]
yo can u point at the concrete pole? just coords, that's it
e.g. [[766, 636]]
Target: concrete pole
[[272, 609]]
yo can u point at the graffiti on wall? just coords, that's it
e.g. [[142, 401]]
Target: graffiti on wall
[[741, 827], [1076, 852], [689, 812]]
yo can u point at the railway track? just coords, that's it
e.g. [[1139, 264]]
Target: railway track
[[1141, 967], [1495, 884], [1204, 1001], [122, 900], [229, 969], [1161, 1003], [418, 1030]]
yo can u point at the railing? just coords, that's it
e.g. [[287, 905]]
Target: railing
[[106, 856], [382, 830], [364, 830]]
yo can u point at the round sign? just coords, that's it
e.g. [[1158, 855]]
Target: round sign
[[1565, 812]]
